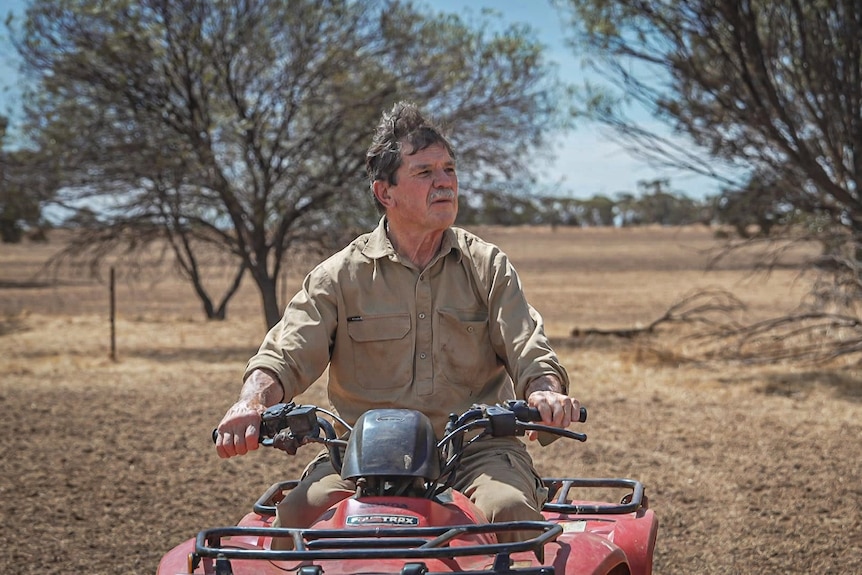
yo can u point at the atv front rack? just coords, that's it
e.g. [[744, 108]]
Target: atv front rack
[[561, 502], [406, 543]]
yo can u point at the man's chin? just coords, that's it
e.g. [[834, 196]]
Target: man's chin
[[443, 221], [446, 206]]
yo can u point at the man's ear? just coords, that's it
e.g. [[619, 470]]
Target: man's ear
[[381, 192]]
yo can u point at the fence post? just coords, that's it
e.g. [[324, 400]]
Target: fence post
[[113, 318]]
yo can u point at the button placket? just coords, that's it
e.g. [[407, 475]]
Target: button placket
[[424, 342]]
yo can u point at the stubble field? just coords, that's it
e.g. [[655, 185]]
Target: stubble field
[[108, 463]]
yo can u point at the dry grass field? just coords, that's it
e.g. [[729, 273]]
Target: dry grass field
[[108, 464]]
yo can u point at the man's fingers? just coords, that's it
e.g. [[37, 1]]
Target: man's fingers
[[238, 432], [224, 445], [558, 410], [251, 437], [546, 411], [571, 412], [555, 414]]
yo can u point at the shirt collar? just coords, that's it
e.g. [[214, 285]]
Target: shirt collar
[[378, 245]]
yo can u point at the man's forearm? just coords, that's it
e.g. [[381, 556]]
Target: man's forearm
[[544, 383], [262, 387]]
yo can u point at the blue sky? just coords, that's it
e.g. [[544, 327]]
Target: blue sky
[[587, 162]]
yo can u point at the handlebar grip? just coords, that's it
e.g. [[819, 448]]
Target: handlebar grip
[[536, 416], [260, 437], [526, 413]]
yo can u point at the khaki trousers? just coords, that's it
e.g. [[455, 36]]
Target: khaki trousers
[[496, 474]]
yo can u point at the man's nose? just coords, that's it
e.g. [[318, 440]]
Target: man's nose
[[444, 179]]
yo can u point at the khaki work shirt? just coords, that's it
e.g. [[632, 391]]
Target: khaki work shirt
[[435, 340]]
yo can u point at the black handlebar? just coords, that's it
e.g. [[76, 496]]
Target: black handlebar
[[301, 421], [526, 413]]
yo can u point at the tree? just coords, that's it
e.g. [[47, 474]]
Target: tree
[[756, 209], [768, 87], [656, 205], [598, 211], [11, 210], [238, 127], [22, 190]]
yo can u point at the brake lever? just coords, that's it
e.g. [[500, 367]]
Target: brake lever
[[530, 419], [554, 432]]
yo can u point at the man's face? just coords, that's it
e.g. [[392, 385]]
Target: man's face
[[426, 195]]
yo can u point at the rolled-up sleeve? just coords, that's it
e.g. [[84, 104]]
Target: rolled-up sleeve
[[297, 348], [517, 329]]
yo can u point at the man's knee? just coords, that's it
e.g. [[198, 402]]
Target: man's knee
[[503, 502], [319, 490]]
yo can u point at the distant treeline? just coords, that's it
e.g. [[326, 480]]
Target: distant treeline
[[662, 208], [622, 210]]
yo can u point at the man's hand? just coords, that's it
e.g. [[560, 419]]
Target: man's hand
[[557, 409], [239, 428]]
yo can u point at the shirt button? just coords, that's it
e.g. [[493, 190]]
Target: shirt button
[[470, 328], [421, 316], [422, 356]]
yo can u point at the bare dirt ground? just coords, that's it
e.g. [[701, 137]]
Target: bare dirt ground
[[108, 464]]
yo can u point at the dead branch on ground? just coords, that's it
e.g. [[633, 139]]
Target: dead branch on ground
[[803, 336], [711, 308]]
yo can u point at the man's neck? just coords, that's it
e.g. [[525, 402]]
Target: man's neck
[[419, 248]]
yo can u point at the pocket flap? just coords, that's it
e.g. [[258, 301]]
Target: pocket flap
[[379, 327]]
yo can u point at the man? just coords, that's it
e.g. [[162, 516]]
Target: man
[[416, 314]]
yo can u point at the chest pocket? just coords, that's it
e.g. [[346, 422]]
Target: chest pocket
[[382, 352], [464, 347]]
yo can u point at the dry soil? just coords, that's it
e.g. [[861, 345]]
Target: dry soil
[[108, 462]]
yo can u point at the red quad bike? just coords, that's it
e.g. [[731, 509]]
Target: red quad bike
[[406, 519]]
